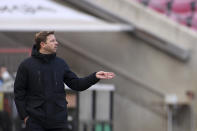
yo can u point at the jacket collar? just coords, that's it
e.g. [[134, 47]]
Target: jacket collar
[[44, 57]]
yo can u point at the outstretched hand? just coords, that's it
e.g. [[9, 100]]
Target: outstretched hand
[[105, 75]]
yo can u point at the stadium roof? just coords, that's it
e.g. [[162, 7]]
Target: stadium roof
[[34, 15]]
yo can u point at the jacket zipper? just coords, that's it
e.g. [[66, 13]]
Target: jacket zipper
[[55, 79], [39, 79]]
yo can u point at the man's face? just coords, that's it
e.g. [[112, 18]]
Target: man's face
[[50, 46]]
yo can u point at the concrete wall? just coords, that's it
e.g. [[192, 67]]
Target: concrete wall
[[132, 102], [126, 53], [137, 58], [156, 69]]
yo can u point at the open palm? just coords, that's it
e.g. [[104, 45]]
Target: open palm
[[105, 75]]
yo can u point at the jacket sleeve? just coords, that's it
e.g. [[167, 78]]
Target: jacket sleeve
[[79, 84], [20, 86]]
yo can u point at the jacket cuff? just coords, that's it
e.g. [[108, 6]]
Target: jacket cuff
[[22, 116], [94, 78], [22, 112]]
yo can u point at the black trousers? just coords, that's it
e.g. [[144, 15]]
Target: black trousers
[[33, 126]]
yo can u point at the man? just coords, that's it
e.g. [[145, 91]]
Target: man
[[39, 86]]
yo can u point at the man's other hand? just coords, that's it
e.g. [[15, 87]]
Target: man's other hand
[[25, 120], [105, 75]]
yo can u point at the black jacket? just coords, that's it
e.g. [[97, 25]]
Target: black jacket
[[39, 88]]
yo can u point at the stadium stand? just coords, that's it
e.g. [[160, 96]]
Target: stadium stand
[[184, 19], [194, 21], [181, 11], [160, 6], [183, 6]]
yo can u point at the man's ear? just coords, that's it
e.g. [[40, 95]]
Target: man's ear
[[42, 44]]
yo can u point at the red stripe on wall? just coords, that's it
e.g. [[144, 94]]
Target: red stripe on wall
[[15, 50]]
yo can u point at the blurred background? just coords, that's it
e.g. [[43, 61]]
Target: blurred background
[[149, 44]]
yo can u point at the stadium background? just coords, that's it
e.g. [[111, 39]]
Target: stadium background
[[149, 44]]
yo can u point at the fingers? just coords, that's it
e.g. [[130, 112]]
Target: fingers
[[101, 72], [110, 75], [102, 77], [105, 75]]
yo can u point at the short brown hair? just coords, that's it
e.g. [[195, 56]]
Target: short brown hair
[[42, 37]]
